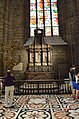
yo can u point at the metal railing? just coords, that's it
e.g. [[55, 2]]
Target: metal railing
[[42, 87], [50, 86]]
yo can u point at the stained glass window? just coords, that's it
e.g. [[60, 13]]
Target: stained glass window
[[44, 15]]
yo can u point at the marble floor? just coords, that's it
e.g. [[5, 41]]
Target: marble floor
[[41, 107]]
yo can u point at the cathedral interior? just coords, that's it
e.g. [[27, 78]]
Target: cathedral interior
[[39, 41], [43, 38]]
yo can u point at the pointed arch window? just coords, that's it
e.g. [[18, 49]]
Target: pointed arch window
[[44, 15]]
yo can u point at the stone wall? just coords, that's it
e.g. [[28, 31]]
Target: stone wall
[[12, 33], [60, 61], [1, 33], [69, 26]]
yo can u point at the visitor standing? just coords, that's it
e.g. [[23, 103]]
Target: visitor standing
[[72, 77], [9, 88], [76, 86]]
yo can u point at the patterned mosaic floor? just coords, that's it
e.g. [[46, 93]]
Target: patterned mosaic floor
[[41, 107]]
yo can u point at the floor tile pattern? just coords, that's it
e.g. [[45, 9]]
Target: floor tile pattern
[[41, 107]]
